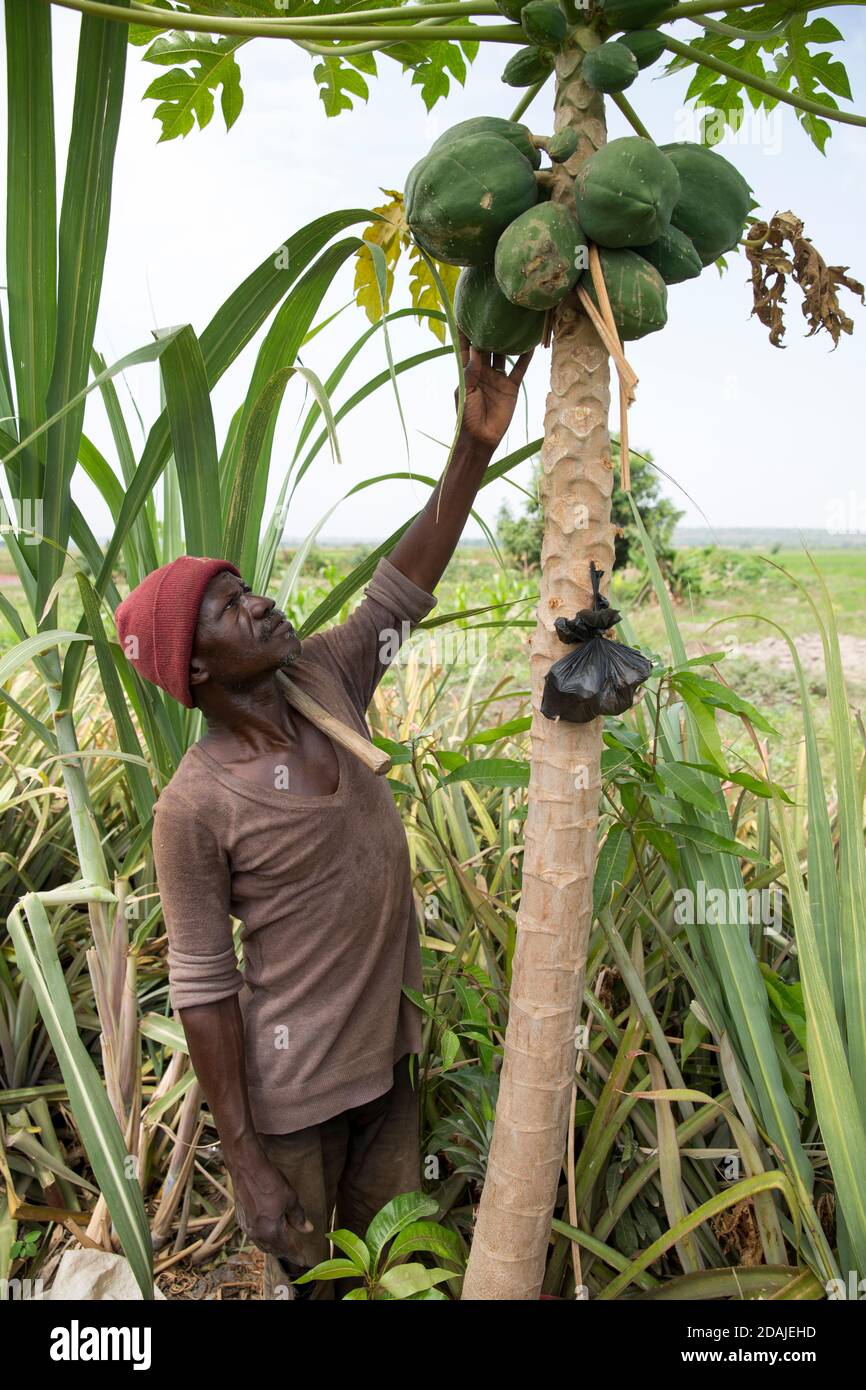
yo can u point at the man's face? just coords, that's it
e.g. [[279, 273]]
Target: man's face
[[240, 635]]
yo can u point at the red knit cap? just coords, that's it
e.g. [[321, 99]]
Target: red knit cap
[[156, 623]]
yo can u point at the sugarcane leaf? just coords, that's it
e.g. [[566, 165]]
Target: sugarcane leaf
[[113, 1166], [82, 242]]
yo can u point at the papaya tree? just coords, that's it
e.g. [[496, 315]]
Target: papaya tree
[[655, 215]]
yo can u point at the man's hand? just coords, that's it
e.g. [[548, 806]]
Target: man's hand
[[267, 1209], [491, 392], [425, 548]]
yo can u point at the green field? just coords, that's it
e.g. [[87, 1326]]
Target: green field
[[746, 587]]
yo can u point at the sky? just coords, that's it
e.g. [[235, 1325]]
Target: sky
[[756, 436]]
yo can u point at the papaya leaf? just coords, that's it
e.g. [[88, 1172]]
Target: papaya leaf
[[188, 96], [423, 289], [338, 80], [390, 235], [812, 75], [788, 51], [431, 75]]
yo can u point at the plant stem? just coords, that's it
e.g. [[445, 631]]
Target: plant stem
[[271, 29], [346, 50], [695, 8], [528, 98], [451, 9], [760, 84], [630, 114]]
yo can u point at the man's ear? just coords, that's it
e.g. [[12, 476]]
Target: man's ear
[[198, 672]]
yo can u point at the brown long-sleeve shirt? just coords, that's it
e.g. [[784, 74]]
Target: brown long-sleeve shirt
[[321, 884]]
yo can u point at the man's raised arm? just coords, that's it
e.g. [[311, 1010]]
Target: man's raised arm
[[423, 552]]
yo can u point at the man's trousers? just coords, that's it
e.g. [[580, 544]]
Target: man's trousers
[[344, 1170]]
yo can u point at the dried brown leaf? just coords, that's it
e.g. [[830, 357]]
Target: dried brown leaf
[[772, 264]]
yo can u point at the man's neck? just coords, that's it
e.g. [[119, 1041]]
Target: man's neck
[[257, 718]]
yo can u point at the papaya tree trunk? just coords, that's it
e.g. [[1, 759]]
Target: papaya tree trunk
[[512, 1230]]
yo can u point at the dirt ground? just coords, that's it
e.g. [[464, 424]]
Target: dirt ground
[[236, 1279], [774, 652]]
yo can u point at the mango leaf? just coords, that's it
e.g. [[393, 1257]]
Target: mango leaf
[[397, 752], [491, 772], [430, 1236], [451, 759], [758, 785], [499, 731], [705, 727], [450, 1048], [688, 785], [787, 1001], [610, 868], [619, 762], [722, 697], [188, 96], [709, 839], [407, 1279], [694, 1033]]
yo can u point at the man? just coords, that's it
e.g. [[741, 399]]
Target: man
[[304, 1058]]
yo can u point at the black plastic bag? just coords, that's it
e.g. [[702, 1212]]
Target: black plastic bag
[[600, 677]]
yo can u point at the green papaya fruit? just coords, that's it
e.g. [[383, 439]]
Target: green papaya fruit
[[625, 193], [459, 199], [541, 256], [528, 66], [511, 8], [637, 293], [714, 199], [647, 45], [516, 134], [489, 319], [633, 14], [609, 68], [673, 256], [543, 23], [562, 145]]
